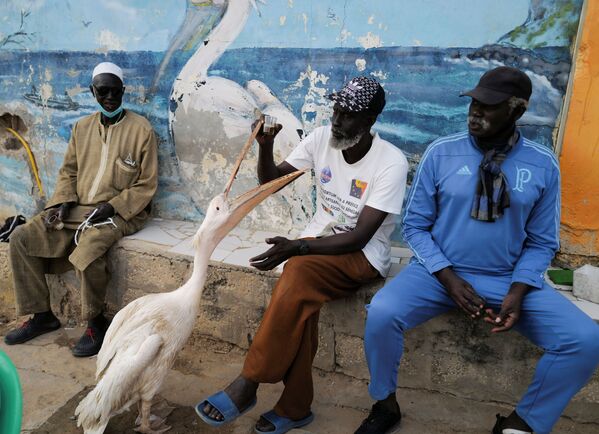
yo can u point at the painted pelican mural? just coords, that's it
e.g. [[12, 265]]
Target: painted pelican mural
[[209, 116]]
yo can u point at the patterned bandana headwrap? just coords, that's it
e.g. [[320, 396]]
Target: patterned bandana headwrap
[[492, 190], [360, 94]]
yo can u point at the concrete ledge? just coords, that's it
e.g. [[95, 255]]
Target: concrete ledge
[[449, 354]]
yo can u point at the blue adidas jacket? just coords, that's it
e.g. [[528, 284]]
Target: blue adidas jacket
[[437, 223]]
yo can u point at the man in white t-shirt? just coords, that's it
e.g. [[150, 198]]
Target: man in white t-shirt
[[360, 181]]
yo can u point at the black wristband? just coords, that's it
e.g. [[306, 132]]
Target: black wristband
[[303, 248]]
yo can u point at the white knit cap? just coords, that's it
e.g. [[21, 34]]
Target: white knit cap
[[108, 68]]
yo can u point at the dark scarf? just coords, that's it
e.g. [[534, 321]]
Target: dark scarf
[[492, 191]]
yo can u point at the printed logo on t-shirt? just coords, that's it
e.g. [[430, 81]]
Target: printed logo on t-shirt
[[327, 209], [325, 175], [357, 188]]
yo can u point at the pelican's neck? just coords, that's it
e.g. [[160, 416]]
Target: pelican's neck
[[217, 41], [204, 244]]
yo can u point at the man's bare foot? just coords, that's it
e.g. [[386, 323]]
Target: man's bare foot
[[241, 391], [264, 425]]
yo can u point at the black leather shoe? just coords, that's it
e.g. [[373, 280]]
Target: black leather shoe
[[513, 423], [90, 343], [30, 329], [379, 421]]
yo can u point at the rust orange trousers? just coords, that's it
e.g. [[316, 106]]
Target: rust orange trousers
[[287, 339]]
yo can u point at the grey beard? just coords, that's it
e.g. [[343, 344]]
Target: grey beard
[[483, 123], [345, 143]]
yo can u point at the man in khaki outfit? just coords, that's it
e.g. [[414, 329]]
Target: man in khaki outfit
[[102, 193]]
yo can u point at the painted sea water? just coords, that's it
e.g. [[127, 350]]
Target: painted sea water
[[422, 86]]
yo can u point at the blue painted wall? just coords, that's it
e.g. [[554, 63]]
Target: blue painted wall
[[423, 52]]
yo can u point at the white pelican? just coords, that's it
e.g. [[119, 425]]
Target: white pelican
[[145, 336], [204, 109]]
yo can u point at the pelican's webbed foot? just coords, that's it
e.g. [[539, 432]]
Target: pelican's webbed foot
[[150, 423]]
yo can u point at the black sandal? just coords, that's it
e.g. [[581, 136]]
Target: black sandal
[[379, 421]]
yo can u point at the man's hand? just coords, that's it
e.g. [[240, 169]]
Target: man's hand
[[282, 250], [102, 212], [510, 309], [266, 139], [56, 215], [461, 292]]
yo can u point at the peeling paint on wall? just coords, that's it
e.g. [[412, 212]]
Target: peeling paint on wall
[[360, 64], [370, 40]]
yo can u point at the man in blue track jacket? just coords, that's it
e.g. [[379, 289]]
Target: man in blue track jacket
[[482, 219]]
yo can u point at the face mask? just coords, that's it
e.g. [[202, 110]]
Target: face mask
[[112, 114]]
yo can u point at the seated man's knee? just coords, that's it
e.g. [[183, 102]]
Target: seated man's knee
[[382, 316], [295, 263], [298, 268], [588, 341], [298, 283]]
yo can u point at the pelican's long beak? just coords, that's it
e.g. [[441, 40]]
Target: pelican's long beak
[[243, 204]]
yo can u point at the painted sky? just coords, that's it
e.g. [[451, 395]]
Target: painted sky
[[131, 25], [354, 23], [89, 25]]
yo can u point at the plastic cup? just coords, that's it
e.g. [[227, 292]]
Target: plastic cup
[[270, 123]]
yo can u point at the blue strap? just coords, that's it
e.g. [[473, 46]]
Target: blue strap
[[275, 419], [222, 402], [284, 424]]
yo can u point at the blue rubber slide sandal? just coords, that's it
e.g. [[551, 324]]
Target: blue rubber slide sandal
[[283, 424], [222, 402]]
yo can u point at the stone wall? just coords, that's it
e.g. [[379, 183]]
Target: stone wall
[[450, 354]]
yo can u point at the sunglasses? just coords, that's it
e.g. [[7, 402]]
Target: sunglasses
[[103, 91]]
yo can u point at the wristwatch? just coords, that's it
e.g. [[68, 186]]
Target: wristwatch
[[303, 248]]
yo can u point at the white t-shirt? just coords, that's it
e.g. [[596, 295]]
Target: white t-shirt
[[377, 180]]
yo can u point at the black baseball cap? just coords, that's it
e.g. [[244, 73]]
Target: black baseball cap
[[499, 84], [360, 94]]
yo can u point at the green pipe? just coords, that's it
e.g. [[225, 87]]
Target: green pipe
[[11, 399]]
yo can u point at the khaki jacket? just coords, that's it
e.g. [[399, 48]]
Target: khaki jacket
[[116, 164]]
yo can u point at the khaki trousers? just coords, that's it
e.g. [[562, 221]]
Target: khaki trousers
[[287, 339], [34, 252]]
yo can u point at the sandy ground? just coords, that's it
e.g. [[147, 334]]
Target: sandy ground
[[54, 382]]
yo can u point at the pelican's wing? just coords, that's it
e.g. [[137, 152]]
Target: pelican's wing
[[123, 323], [114, 391]]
